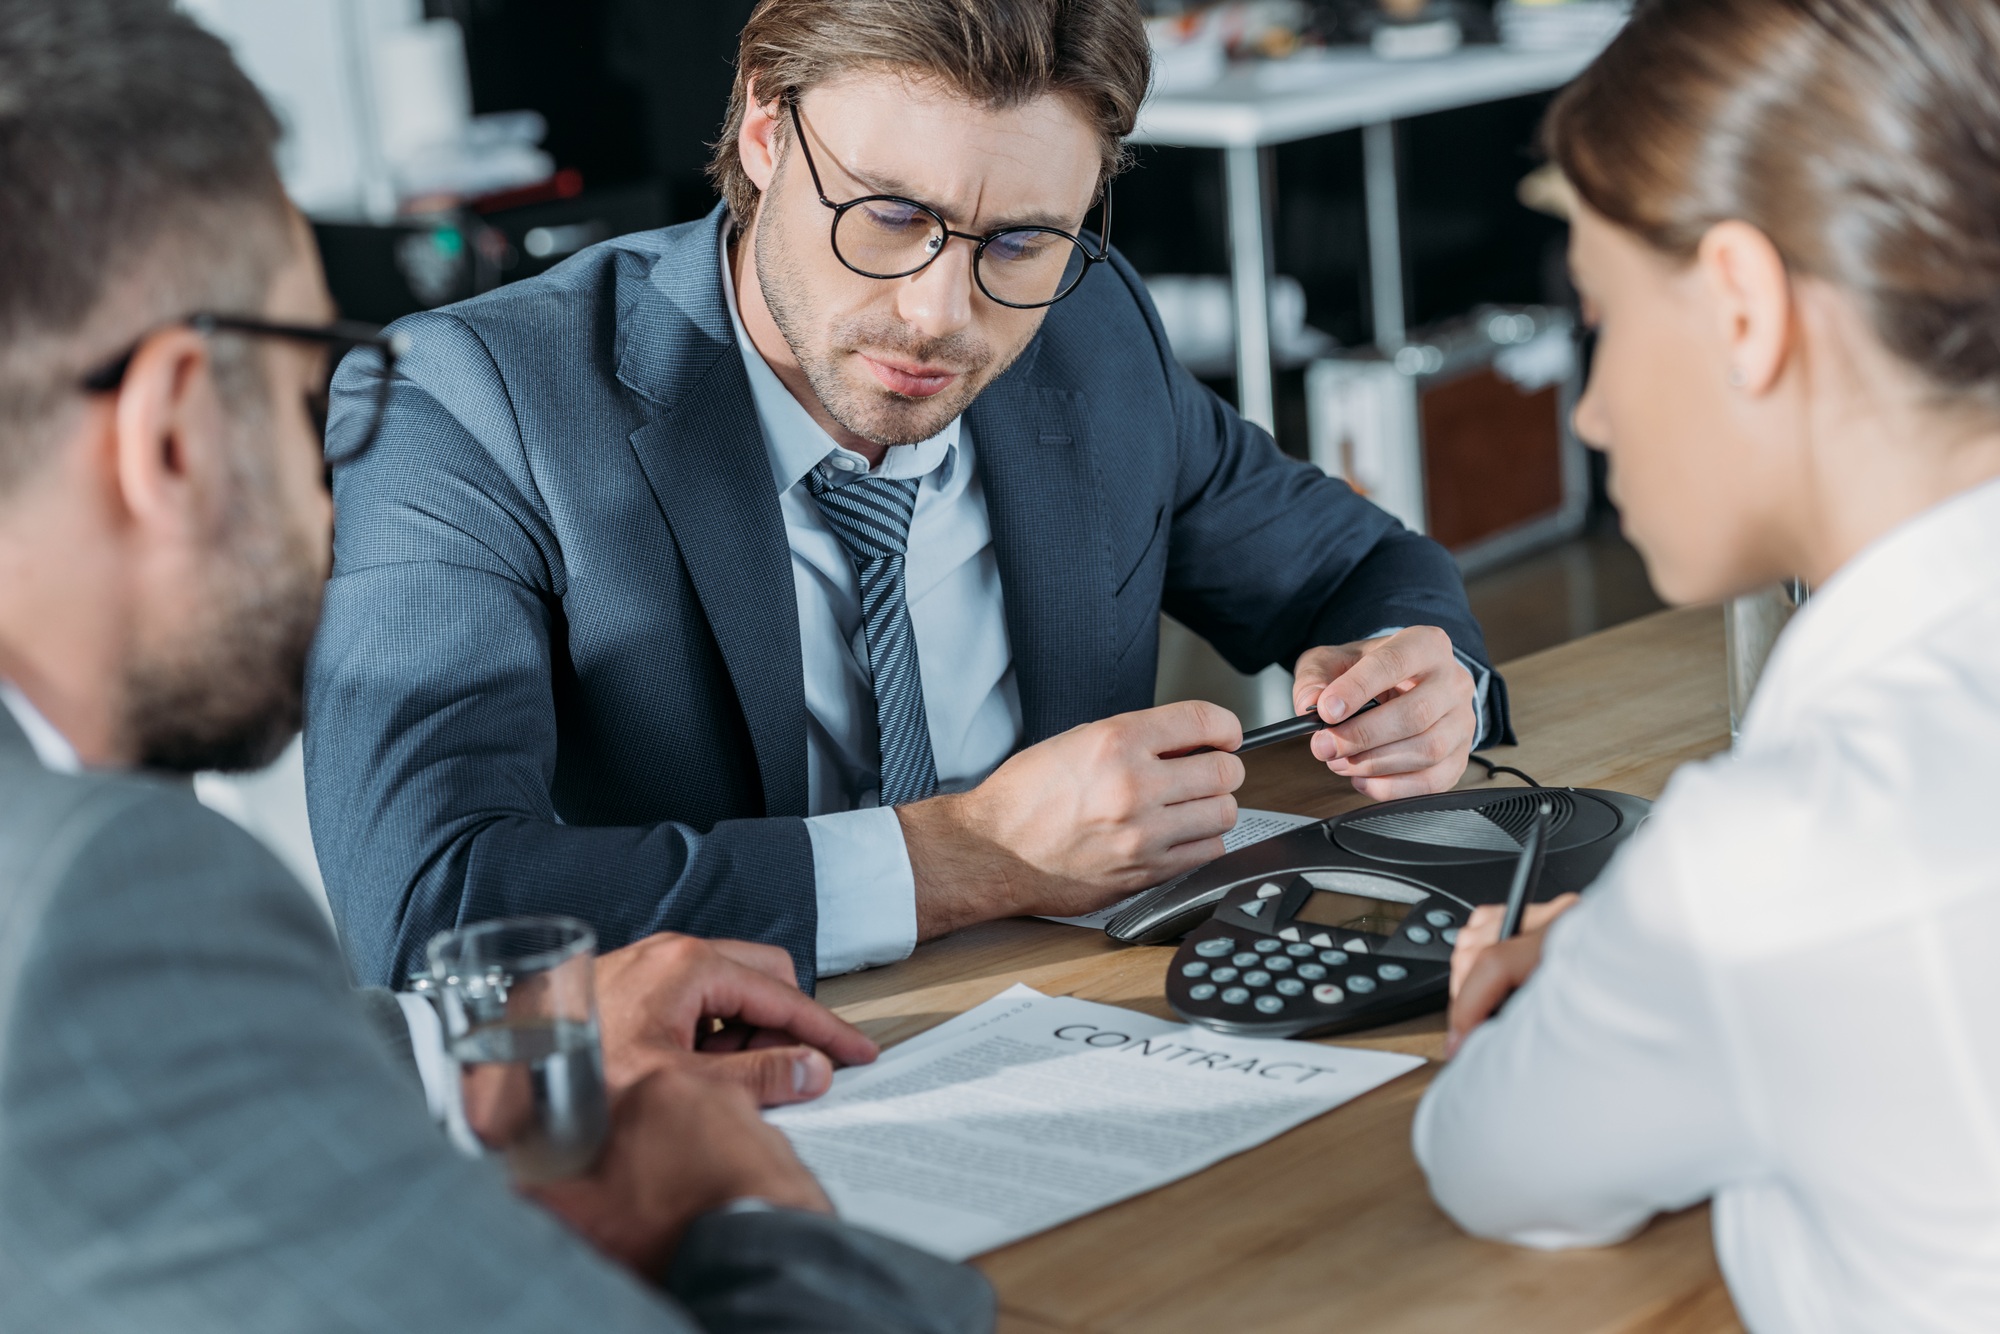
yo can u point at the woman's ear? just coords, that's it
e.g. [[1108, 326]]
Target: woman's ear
[[1751, 291]]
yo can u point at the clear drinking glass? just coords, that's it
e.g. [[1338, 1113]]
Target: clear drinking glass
[[518, 1003], [1751, 625]]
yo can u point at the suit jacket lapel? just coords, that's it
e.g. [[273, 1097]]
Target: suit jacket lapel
[[705, 460], [1046, 504]]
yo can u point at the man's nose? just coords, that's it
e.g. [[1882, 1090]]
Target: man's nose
[[938, 300]]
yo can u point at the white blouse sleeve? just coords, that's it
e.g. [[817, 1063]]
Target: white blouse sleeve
[[1605, 1091]]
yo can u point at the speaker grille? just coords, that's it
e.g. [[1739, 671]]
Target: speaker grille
[[1498, 826]]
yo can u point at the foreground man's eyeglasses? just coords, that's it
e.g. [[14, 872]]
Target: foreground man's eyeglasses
[[339, 338], [887, 236]]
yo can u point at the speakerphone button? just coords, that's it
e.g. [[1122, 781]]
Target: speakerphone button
[[1267, 946], [1195, 969], [1419, 935], [1209, 949], [1360, 984], [1270, 1004], [1438, 917], [1450, 935], [1332, 958], [1235, 996], [1256, 977], [1278, 963], [1245, 959], [1224, 974], [1392, 972], [1300, 951], [1290, 986], [1311, 972], [1328, 994], [1201, 991]]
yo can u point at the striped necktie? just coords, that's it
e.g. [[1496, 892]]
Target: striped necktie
[[871, 516]]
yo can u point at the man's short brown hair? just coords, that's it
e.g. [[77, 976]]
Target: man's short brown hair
[[1000, 53], [136, 158]]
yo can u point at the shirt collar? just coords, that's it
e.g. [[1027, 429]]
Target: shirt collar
[[1918, 576], [51, 747], [795, 443]]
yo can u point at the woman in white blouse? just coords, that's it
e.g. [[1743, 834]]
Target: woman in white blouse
[[1782, 995]]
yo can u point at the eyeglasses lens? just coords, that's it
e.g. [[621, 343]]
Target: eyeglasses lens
[[886, 238], [1030, 267]]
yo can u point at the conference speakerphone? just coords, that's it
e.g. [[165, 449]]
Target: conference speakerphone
[[1351, 922]]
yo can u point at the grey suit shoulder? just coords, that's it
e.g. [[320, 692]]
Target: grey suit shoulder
[[200, 1130]]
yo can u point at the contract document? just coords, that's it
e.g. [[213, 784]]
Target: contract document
[[1032, 1110], [1251, 827]]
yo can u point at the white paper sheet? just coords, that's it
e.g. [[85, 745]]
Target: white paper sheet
[[1031, 1110], [1251, 827]]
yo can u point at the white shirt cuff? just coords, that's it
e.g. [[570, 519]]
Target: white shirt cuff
[[434, 1067], [1482, 684], [867, 892]]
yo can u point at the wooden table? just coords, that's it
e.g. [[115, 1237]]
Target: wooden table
[[1330, 1227]]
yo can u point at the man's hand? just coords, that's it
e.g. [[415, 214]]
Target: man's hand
[[680, 1146], [724, 1009], [1417, 742], [1486, 970], [1079, 821]]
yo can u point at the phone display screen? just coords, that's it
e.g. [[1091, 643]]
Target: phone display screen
[[1353, 912]]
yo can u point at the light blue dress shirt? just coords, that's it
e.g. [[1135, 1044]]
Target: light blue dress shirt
[[861, 867]]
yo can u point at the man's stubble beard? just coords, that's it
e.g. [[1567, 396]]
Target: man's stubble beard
[[879, 416], [228, 693]]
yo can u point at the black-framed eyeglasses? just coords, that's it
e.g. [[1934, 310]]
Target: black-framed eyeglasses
[[339, 338], [888, 236]]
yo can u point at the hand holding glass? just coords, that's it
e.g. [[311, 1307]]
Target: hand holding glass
[[517, 999]]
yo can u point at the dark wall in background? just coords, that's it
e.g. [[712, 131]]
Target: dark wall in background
[[1467, 240], [632, 88]]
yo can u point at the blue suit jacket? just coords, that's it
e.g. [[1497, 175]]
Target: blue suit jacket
[[560, 669]]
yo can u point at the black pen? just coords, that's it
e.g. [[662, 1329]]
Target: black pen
[[1303, 725], [1527, 873]]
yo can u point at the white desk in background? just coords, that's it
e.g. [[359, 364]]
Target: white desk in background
[[1256, 106]]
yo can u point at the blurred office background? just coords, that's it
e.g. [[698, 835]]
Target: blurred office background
[[444, 147]]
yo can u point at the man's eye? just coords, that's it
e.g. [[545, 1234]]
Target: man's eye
[[1011, 247], [891, 216]]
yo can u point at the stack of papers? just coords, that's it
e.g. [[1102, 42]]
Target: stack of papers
[[1032, 1110]]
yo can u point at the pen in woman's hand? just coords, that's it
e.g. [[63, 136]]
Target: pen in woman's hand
[[1527, 872]]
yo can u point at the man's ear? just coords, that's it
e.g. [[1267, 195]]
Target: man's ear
[[167, 447], [1751, 290], [757, 141]]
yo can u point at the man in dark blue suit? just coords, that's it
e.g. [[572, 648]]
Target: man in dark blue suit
[[796, 574]]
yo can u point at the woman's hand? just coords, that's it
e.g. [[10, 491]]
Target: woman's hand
[[1485, 970]]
